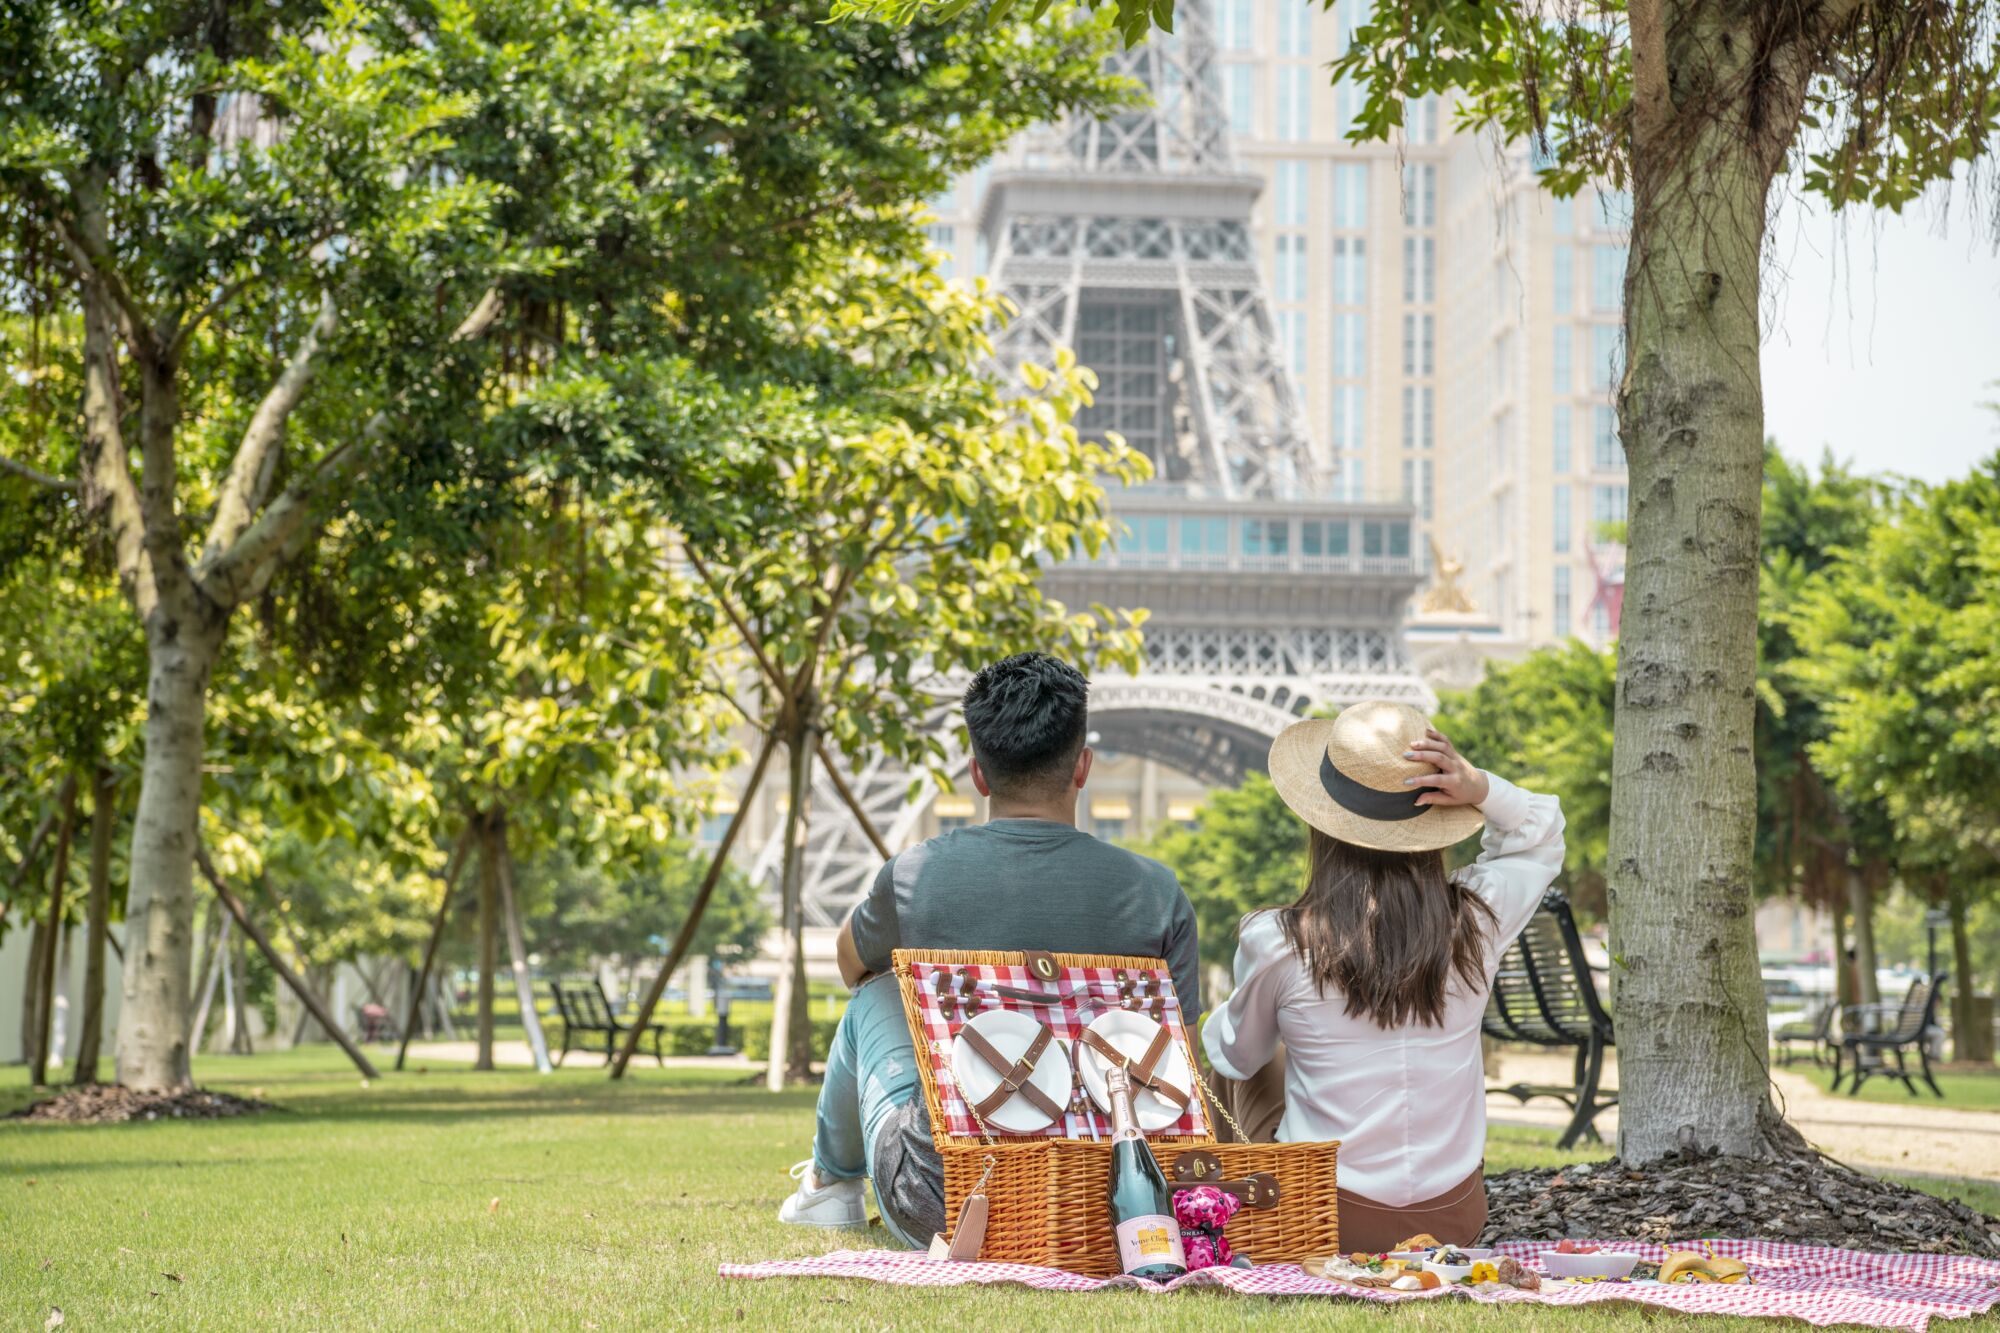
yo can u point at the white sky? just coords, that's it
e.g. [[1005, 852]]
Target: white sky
[[1883, 338]]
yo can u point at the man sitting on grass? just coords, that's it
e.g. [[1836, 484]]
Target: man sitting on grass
[[1026, 879]]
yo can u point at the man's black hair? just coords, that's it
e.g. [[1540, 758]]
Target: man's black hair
[[1028, 715]]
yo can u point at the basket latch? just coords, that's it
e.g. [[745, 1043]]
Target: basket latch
[[1196, 1167]]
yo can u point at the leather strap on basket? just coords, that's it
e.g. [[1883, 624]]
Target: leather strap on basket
[[1143, 1070], [1014, 1076]]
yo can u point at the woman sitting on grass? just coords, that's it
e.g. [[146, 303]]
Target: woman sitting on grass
[[1356, 1011]]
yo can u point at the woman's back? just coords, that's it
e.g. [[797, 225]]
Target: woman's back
[[1406, 1098]]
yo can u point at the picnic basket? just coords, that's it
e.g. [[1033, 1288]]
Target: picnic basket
[[1046, 1196]]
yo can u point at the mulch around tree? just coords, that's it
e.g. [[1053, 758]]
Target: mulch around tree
[[1686, 1195], [108, 1103]]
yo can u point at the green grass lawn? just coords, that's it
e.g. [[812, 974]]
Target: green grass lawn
[[1964, 1089], [376, 1207]]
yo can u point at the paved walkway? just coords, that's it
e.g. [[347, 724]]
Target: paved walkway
[[1924, 1136]]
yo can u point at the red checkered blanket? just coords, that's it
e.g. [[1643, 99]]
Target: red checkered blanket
[[1067, 1022], [1806, 1282]]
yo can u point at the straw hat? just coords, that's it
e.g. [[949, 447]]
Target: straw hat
[[1344, 776]]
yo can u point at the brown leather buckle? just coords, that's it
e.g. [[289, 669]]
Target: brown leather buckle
[[1015, 1075], [1041, 965], [1198, 1167], [1144, 1070]]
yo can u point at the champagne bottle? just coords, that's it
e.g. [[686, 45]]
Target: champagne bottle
[[1142, 1209]]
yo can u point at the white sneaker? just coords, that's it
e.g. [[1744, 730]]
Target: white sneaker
[[838, 1203]]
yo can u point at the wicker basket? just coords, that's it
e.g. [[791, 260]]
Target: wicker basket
[[1046, 1197]]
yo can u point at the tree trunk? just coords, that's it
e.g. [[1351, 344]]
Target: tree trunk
[[420, 987], [240, 1040], [31, 989], [489, 950], [1861, 903], [59, 998], [1970, 1040], [717, 861], [225, 1037], [45, 982], [159, 931], [1689, 998], [791, 1028], [295, 982], [211, 973], [517, 948], [103, 825]]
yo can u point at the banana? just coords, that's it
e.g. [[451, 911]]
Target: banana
[[1688, 1266]]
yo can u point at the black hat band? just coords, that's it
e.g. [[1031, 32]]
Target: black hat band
[[1368, 802]]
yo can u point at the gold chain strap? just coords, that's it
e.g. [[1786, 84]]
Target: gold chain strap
[[1216, 1102]]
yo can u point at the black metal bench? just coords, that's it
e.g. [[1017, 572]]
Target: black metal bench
[[1907, 1025], [1543, 994], [586, 1013], [1816, 1032]]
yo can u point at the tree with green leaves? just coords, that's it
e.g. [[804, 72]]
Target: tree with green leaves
[[1896, 639], [1832, 853], [582, 913], [1246, 852], [280, 174], [317, 256], [1705, 107], [1545, 722], [875, 543]]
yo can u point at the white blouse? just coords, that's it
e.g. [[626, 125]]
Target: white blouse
[[1408, 1104]]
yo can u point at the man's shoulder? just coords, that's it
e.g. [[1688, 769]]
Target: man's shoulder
[[1154, 874]]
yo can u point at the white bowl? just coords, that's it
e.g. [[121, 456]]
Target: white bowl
[[1605, 1263], [1410, 1256], [1448, 1272]]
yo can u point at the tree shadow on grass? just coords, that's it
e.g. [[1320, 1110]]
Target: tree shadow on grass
[[453, 1106]]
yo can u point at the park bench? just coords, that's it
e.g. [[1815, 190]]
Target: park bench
[[586, 1012], [1816, 1032], [1898, 1027], [1543, 994]]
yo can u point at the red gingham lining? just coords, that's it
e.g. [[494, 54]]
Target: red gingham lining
[[1805, 1282], [1065, 1021]]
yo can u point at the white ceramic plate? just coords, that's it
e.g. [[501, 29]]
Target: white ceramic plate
[[1010, 1033], [1423, 1256], [1133, 1033], [1604, 1263]]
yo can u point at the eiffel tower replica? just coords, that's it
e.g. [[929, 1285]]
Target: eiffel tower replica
[[1128, 239]]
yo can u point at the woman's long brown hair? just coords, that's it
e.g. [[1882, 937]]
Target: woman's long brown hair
[[1388, 930]]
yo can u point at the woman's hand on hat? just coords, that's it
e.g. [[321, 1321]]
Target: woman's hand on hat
[[1456, 781]]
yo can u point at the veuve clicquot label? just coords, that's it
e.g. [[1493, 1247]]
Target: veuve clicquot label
[[1142, 1209]]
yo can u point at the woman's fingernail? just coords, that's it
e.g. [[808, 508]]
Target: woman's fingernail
[[1409, 754], [1408, 781]]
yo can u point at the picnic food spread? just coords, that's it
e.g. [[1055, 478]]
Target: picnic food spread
[[1421, 1263]]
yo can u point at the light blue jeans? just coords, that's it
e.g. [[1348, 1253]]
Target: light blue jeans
[[871, 1070]]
